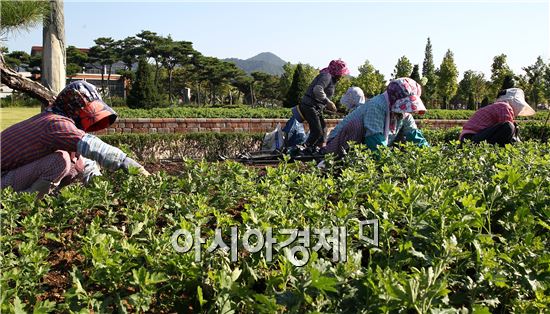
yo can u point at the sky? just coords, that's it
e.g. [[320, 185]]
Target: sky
[[316, 32]]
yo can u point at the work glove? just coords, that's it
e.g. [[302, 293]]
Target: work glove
[[330, 106], [130, 163], [90, 170]]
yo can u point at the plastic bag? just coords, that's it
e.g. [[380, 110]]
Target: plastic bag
[[273, 140], [295, 133]]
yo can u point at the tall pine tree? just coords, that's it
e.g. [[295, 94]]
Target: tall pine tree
[[144, 93], [297, 88], [428, 72], [415, 75]]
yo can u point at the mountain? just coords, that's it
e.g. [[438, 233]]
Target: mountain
[[264, 62]]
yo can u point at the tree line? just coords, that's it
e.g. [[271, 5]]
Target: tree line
[[160, 68]]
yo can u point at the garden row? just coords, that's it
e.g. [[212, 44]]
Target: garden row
[[460, 229], [210, 145]]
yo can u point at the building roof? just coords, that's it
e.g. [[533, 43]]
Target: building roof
[[38, 50]]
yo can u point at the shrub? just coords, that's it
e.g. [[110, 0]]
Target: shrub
[[459, 230]]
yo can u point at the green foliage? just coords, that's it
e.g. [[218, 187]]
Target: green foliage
[[286, 78], [461, 229], [76, 60], [18, 100], [415, 74], [144, 93], [282, 113], [447, 81], [499, 71], [18, 60], [21, 15], [534, 74], [471, 89], [370, 80], [429, 90], [297, 88], [403, 68]]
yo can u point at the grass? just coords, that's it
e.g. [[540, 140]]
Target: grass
[[10, 116]]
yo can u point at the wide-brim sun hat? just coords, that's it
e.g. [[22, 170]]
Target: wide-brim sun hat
[[81, 102], [516, 98], [96, 116], [404, 95]]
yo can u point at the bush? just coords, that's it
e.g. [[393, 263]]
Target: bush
[[19, 101], [278, 113]]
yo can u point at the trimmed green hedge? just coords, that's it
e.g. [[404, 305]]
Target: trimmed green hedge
[[281, 113]]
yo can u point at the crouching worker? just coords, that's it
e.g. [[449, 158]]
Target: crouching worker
[[317, 98], [353, 98], [495, 123], [52, 149], [382, 120]]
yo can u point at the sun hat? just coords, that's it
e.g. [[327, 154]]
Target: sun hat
[[81, 102], [404, 96], [353, 97], [336, 68], [516, 98]]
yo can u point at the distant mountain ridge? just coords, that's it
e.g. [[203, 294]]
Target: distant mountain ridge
[[264, 62]]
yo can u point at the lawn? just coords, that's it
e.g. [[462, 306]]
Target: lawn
[[10, 116]]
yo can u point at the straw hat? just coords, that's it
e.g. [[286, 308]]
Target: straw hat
[[516, 98]]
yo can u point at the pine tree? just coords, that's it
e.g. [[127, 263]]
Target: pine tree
[[297, 88], [144, 92], [428, 72], [415, 75]]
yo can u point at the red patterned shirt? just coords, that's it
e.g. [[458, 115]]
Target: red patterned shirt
[[488, 116], [37, 137]]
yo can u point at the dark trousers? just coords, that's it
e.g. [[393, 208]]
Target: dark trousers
[[316, 122], [501, 134]]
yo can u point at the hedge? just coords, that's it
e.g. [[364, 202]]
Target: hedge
[[276, 113]]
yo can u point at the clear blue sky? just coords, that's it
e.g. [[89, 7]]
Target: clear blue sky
[[315, 32]]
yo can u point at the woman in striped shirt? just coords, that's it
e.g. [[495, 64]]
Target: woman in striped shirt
[[52, 149], [494, 123]]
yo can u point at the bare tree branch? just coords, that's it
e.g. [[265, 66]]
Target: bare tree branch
[[20, 83]]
